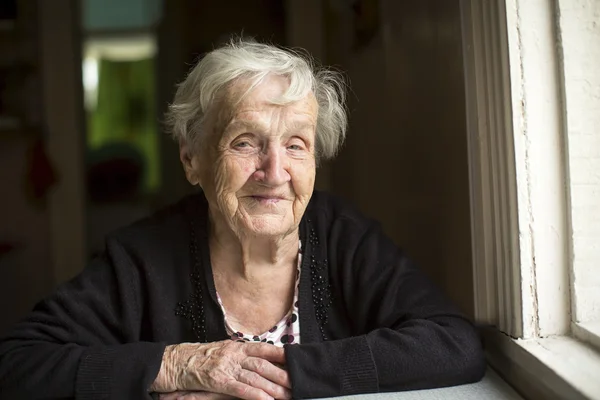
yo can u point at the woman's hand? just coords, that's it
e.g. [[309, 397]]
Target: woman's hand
[[242, 370], [194, 396]]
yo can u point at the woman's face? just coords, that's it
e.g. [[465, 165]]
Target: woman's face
[[257, 167]]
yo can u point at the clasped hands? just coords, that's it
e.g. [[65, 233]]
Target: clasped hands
[[222, 370]]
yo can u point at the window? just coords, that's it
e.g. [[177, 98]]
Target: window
[[580, 39], [533, 93]]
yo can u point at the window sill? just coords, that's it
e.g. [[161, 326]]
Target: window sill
[[551, 368], [587, 332]]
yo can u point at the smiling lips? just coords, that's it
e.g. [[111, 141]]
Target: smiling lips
[[268, 199]]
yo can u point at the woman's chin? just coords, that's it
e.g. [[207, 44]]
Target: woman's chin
[[265, 226]]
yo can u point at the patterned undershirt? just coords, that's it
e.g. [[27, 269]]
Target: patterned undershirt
[[286, 331]]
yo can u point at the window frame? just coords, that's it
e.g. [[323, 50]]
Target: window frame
[[520, 198], [577, 22]]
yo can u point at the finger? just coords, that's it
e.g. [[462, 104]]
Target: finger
[[214, 396], [243, 391], [205, 396], [200, 395], [172, 395], [265, 351], [272, 389], [268, 371]]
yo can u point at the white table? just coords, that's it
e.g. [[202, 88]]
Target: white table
[[491, 387]]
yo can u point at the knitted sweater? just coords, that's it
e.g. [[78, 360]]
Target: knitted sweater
[[370, 320]]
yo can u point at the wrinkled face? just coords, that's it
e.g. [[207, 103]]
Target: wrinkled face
[[257, 167]]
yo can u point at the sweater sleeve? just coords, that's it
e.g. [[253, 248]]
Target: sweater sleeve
[[407, 334], [83, 341]]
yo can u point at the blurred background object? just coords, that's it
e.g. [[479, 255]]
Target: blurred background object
[[123, 164], [84, 85]]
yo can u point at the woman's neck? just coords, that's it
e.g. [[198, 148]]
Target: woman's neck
[[251, 256]]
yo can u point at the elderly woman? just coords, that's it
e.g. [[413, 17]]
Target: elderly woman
[[258, 287]]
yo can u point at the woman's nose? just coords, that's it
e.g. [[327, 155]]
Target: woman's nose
[[273, 168]]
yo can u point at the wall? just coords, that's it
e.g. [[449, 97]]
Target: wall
[[25, 252], [26, 270], [47, 232], [405, 161], [62, 105]]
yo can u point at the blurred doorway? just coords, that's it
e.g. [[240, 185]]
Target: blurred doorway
[[122, 158]]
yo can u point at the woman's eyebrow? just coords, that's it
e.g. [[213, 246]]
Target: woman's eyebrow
[[243, 124], [301, 126]]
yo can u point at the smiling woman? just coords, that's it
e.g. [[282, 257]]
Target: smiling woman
[[260, 178], [257, 287]]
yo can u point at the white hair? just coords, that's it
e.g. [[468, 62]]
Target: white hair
[[252, 61]]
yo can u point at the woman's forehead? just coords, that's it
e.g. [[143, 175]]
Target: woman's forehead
[[268, 93], [259, 122], [253, 110], [265, 116], [255, 113]]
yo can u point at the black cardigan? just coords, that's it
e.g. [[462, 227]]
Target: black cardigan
[[370, 321]]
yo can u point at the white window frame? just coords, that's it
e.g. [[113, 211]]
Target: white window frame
[[522, 247], [578, 22]]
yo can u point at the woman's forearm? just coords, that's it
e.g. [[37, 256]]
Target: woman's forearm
[[166, 380], [38, 369], [420, 355]]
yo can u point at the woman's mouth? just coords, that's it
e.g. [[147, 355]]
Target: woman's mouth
[[267, 199]]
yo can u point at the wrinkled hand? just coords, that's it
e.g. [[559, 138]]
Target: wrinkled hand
[[242, 370], [194, 396]]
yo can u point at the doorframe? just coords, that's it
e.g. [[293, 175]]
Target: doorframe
[[64, 129]]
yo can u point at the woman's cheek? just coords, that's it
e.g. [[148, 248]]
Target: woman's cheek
[[248, 169], [222, 177], [232, 176], [303, 178]]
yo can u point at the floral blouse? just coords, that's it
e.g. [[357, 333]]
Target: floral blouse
[[286, 331]]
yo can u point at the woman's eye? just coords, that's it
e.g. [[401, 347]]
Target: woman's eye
[[242, 145], [296, 147]]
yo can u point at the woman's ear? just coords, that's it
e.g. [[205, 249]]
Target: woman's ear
[[190, 163]]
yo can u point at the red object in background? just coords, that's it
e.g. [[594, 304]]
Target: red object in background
[[41, 174]]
